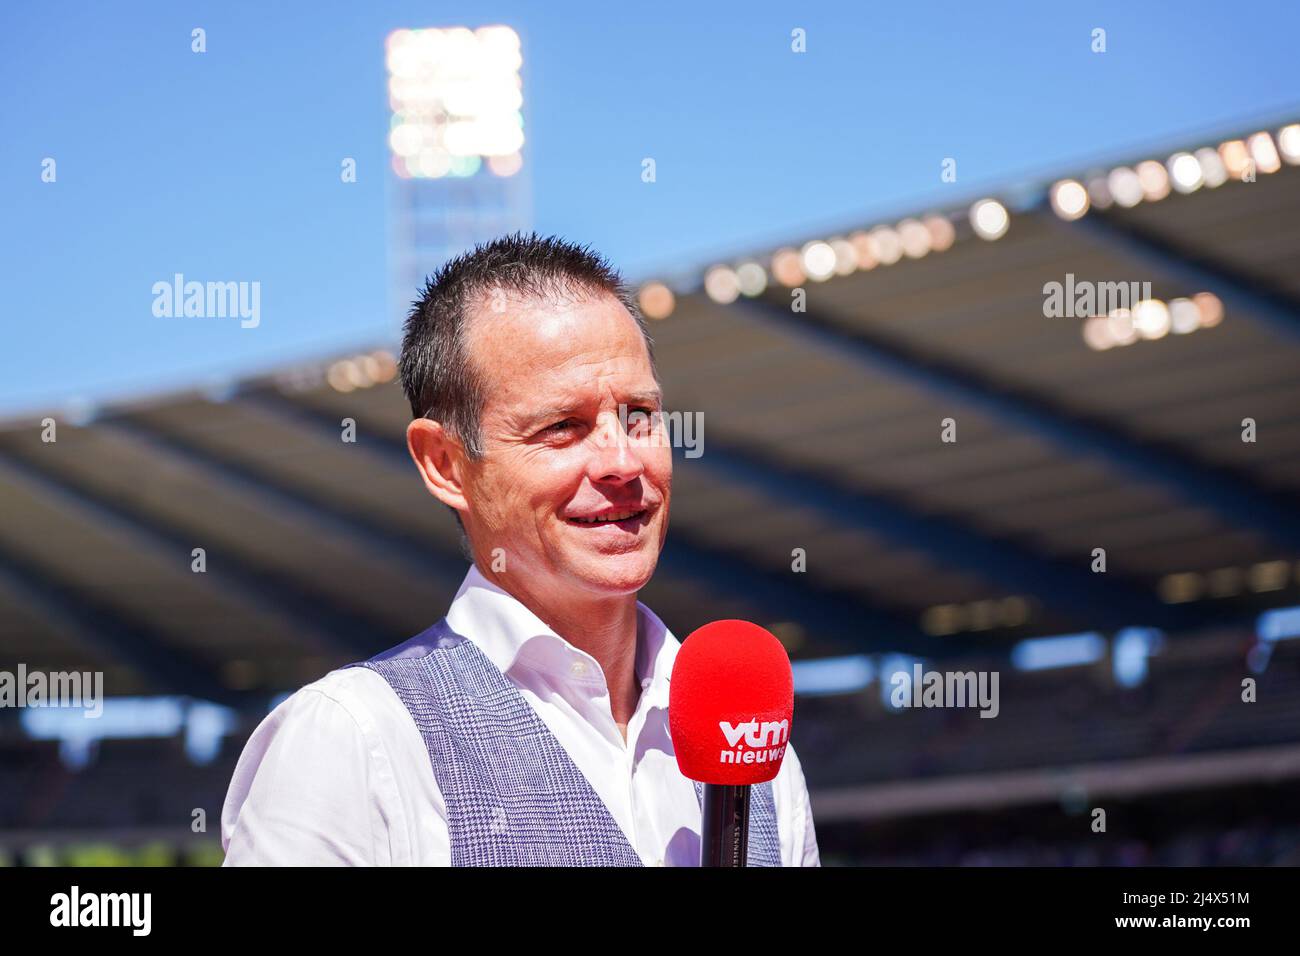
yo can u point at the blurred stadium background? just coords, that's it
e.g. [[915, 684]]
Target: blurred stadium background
[[1122, 431]]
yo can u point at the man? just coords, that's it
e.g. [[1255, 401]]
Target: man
[[530, 725]]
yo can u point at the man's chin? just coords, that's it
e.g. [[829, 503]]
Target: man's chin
[[617, 574]]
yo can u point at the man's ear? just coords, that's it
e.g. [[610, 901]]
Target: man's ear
[[439, 457]]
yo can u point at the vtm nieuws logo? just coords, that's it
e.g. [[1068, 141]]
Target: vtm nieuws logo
[[753, 741]]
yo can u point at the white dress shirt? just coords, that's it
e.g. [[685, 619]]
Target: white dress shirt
[[339, 774]]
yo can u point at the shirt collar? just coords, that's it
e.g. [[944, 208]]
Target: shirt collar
[[513, 637]]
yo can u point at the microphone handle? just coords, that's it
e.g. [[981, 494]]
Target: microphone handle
[[725, 838]]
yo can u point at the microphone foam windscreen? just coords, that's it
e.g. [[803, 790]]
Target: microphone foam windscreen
[[730, 703]]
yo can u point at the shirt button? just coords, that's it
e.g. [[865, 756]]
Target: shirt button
[[578, 668], [645, 684], [659, 862]]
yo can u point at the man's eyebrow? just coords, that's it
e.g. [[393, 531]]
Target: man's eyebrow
[[549, 413], [654, 397], [552, 413]]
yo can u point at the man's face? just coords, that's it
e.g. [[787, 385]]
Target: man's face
[[555, 373]]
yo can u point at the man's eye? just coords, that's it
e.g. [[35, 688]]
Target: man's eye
[[560, 426]]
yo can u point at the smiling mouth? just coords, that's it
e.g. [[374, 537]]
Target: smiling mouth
[[624, 519]]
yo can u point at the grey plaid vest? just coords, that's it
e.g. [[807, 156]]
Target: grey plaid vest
[[514, 795]]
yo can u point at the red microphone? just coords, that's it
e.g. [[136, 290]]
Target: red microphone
[[730, 704]]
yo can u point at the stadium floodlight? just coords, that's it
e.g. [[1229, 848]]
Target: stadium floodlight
[[887, 245], [1212, 168], [787, 267], [914, 238], [1210, 307], [722, 285], [1236, 158], [1099, 192], [656, 301], [1151, 319], [1264, 153], [457, 99], [1096, 333], [1125, 186], [1185, 172], [818, 260], [1153, 180], [752, 278], [865, 248], [846, 257], [942, 234], [990, 219], [1122, 330], [1288, 141], [1184, 316], [1069, 199]]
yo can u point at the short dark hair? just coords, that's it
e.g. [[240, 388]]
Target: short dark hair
[[437, 375]]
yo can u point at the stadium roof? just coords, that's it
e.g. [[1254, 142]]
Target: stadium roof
[[824, 428]]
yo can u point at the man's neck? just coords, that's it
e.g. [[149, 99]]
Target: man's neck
[[606, 628]]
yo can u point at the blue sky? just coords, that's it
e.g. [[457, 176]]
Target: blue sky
[[225, 165]]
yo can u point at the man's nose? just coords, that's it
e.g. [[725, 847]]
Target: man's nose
[[615, 456]]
